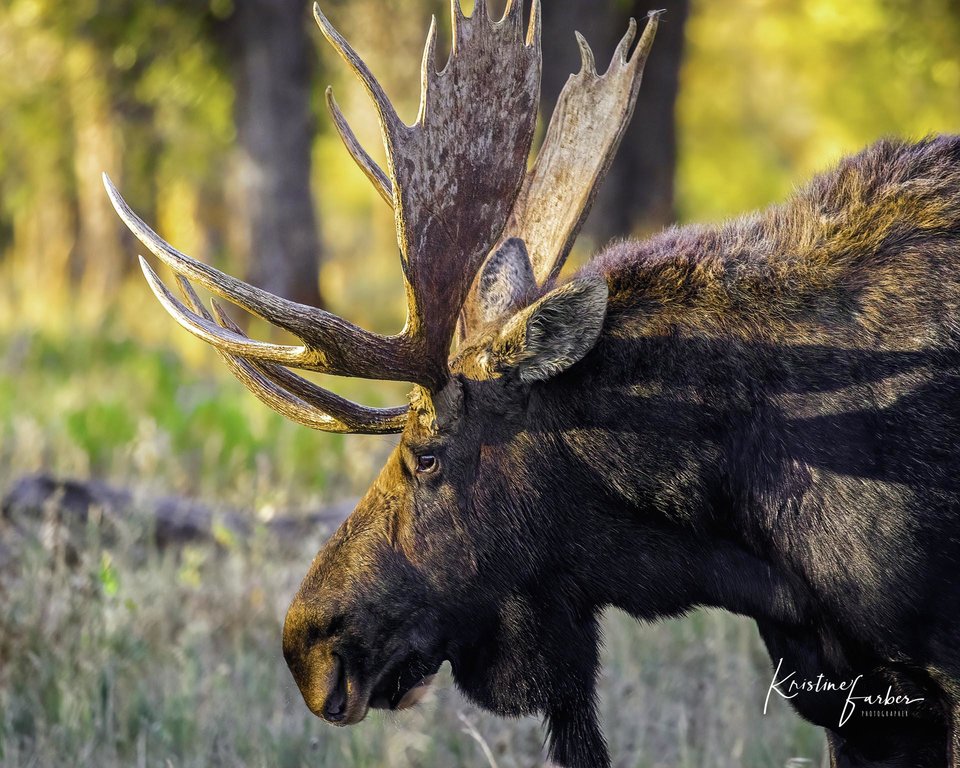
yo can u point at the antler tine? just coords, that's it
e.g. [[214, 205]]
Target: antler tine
[[457, 19], [304, 402], [535, 27], [622, 53], [294, 397], [390, 122], [587, 61], [288, 315], [481, 12], [205, 329], [588, 123], [374, 172], [330, 343], [513, 15], [428, 68]]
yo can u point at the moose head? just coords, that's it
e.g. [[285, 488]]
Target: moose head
[[462, 548]]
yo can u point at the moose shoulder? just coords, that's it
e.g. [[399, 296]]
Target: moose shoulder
[[762, 416]]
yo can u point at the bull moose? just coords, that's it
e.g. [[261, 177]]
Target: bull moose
[[762, 416]]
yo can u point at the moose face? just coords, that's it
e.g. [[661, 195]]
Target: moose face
[[443, 540]]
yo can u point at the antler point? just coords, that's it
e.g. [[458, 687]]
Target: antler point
[[221, 315], [589, 64], [622, 54], [113, 193], [535, 26]]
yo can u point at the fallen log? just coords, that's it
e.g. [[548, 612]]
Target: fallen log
[[69, 506]]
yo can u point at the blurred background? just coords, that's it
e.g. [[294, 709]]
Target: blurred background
[[156, 518]]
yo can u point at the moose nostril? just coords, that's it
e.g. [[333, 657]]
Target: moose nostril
[[335, 706]]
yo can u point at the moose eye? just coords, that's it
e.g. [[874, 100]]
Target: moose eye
[[427, 464]]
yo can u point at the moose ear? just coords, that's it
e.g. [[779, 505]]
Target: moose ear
[[554, 332], [504, 282]]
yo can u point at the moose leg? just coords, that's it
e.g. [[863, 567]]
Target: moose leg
[[570, 640], [576, 740], [835, 750]]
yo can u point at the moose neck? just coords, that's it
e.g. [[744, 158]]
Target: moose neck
[[657, 426]]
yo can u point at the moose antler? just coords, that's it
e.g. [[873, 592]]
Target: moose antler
[[452, 178], [590, 118], [295, 397], [588, 123]]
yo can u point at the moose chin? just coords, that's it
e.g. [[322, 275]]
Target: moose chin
[[761, 416]]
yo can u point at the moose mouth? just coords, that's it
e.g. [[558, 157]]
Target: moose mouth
[[402, 683]]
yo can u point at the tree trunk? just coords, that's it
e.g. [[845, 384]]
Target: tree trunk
[[637, 196], [271, 60], [100, 258]]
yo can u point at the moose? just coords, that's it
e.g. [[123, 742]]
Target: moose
[[761, 416]]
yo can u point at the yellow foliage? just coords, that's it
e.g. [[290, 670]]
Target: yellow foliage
[[774, 90]]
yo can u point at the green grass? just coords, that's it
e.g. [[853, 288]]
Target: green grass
[[125, 656], [100, 404]]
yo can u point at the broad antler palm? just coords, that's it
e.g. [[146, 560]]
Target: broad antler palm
[[458, 183]]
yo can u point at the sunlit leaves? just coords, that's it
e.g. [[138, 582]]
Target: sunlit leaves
[[774, 90]]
